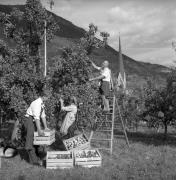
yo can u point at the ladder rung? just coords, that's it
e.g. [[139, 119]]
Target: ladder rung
[[103, 130], [101, 139], [105, 148], [108, 113], [119, 136], [110, 97], [103, 121]]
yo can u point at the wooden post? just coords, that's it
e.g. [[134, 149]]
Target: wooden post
[[112, 132], [90, 137], [121, 119], [45, 49]]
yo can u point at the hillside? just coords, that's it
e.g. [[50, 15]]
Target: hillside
[[69, 34]]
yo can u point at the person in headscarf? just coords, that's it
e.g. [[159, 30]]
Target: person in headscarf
[[70, 117]]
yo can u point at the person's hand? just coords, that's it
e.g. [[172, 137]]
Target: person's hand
[[41, 133], [91, 79], [46, 129], [61, 100]]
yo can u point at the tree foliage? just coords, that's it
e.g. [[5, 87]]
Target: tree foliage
[[71, 77], [21, 78], [27, 28], [160, 103]]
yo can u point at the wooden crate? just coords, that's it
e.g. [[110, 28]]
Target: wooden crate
[[88, 158], [47, 139], [59, 159], [77, 142]]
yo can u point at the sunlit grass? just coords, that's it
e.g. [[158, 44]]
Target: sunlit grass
[[145, 159]]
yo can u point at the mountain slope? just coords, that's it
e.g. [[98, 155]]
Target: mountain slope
[[69, 34]]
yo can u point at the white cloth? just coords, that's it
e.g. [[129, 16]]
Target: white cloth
[[36, 109], [106, 72], [69, 118]]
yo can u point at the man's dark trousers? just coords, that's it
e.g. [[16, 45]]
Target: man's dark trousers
[[29, 131]]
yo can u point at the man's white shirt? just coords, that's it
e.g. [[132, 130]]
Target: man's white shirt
[[106, 72], [36, 109]]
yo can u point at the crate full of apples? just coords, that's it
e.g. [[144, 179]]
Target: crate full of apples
[[77, 142], [47, 139], [59, 159], [88, 158]]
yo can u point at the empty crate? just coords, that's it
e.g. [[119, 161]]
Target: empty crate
[[48, 139]]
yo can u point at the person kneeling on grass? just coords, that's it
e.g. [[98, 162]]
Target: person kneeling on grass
[[34, 113], [70, 116]]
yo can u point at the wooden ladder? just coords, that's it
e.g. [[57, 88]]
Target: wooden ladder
[[107, 125]]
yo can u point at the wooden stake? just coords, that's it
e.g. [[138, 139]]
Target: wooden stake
[[112, 130], [45, 52], [123, 126]]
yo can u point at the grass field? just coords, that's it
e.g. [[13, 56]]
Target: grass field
[[149, 157]]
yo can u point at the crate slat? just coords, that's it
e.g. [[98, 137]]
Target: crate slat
[[88, 163], [44, 142], [59, 167], [59, 160], [46, 133], [44, 138], [61, 163]]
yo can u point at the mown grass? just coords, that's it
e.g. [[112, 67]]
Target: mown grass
[[149, 157]]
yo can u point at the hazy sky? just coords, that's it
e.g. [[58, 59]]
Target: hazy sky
[[147, 27]]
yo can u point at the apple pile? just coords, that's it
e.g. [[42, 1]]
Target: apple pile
[[87, 154], [60, 156], [75, 142]]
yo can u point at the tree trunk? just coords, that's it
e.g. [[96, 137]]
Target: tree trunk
[[165, 130]]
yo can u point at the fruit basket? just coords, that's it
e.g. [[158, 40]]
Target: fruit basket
[[88, 158], [47, 139], [59, 159], [77, 142]]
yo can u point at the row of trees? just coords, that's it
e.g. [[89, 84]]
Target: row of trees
[[21, 77]]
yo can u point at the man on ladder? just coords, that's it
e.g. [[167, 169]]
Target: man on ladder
[[105, 83], [105, 86]]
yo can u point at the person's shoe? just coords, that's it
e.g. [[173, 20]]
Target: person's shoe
[[39, 163]]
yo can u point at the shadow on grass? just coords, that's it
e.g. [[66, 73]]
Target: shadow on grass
[[21, 177], [156, 139], [58, 145]]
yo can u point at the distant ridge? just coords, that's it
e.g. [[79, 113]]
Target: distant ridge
[[69, 33]]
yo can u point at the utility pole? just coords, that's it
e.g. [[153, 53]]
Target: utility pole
[[45, 39], [174, 45]]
